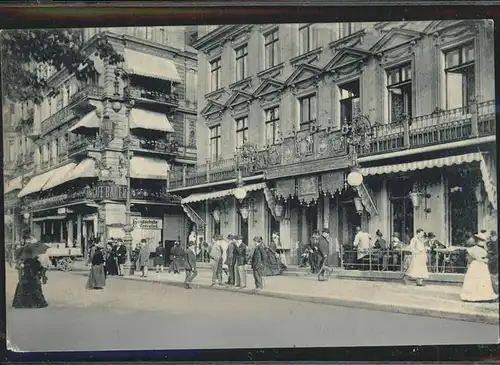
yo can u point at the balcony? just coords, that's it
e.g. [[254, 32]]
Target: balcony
[[83, 145], [162, 146], [80, 100], [154, 195], [56, 120], [442, 126], [145, 96], [79, 194]]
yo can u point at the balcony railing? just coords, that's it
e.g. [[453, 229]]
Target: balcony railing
[[139, 94], [75, 194], [442, 126], [156, 195], [84, 144], [170, 146], [89, 91], [57, 119]]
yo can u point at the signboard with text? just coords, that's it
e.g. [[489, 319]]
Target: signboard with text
[[147, 223]]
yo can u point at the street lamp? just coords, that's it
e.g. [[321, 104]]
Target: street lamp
[[117, 106]]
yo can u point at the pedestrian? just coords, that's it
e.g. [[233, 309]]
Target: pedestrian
[[276, 242], [159, 260], [257, 261], [493, 259], [190, 264], [418, 263], [28, 292], [111, 259], [224, 245], [176, 258], [362, 241], [324, 254], [383, 247], [396, 247], [121, 256], [435, 258], [143, 259], [314, 256], [97, 278], [231, 266], [216, 253], [240, 260], [477, 285]]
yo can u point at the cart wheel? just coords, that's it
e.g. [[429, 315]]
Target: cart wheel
[[64, 264]]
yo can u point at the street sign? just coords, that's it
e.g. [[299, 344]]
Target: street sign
[[147, 223]]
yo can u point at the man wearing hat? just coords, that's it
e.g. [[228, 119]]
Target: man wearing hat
[[314, 253], [191, 271], [216, 253], [257, 260], [240, 260], [323, 254], [230, 260]]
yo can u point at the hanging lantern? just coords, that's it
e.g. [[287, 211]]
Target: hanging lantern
[[240, 194], [26, 216], [244, 212], [359, 205], [479, 193], [416, 199], [355, 178], [278, 210], [117, 106], [216, 214]]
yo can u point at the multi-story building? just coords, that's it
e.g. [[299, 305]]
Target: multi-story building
[[81, 144], [278, 105]]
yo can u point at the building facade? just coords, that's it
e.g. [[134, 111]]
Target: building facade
[[287, 110], [132, 121]]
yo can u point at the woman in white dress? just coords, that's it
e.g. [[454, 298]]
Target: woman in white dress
[[477, 285], [417, 269]]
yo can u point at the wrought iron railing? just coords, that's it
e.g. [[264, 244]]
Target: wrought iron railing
[[152, 194], [82, 144], [89, 91], [155, 145], [136, 92], [57, 119]]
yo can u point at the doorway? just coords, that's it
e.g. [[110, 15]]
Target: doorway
[[243, 229], [402, 221]]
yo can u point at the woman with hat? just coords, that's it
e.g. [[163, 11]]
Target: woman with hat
[[31, 277], [97, 278], [477, 285], [417, 268]]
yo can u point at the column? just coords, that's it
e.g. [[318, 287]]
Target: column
[[70, 233], [61, 232], [94, 224], [326, 211], [79, 231]]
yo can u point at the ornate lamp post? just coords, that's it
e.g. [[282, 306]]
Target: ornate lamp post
[[128, 228], [356, 135]]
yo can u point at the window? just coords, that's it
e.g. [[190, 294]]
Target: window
[[307, 111], [67, 90], [149, 33], [400, 95], [49, 108], [272, 119], [402, 209], [215, 75], [60, 100], [162, 35], [305, 38], [12, 150], [215, 143], [241, 63], [460, 77], [345, 29], [349, 101], [56, 149], [272, 49], [241, 131]]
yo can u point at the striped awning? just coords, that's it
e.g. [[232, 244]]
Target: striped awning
[[59, 176], [193, 216], [150, 120], [193, 198], [147, 65], [148, 168], [14, 184], [421, 165], [36, 184], [89, 121]]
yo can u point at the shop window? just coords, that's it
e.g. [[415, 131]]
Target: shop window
[[402, 220], [460, 77], [399, 86], [462, 205]]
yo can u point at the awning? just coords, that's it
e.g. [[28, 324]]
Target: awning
[[147, 65], [50, 218], [421, 165], [193, 216], [147, 119], [193, 198], [85, 169], [89, 121], [14, 184], [60, 176], [489, 180], [367, 199], [271, 202], [148, 168], [36, 184]]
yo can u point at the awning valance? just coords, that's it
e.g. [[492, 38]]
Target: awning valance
[[193, 216], [59, 176], [193, 198], [89, 121], [147, 119], [421, 165], [36, 184], [147, 65], [489, 180], [148, 168], [367, 199], [14, 184]]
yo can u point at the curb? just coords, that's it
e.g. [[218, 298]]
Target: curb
[[476, 318]]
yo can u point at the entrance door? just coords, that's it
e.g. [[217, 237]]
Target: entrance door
[[350, 219], [243, 229], [402, 210], [311, 219]]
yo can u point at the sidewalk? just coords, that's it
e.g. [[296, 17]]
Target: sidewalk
[[432, 300]]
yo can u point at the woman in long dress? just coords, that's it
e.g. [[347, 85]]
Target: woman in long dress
[[29, 288], [417, 269], [477, 285], [111, 260], [97, 279], [272, 264]]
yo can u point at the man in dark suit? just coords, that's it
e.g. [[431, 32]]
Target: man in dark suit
[[191, 271], [257, 261], [314, 255], [230, 260]]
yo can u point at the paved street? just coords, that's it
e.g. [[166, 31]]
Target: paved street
[[142, 315]]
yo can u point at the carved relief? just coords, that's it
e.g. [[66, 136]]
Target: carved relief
[[268, 90], [304, 146], [192, 134], [274, 155], [451, 33], [303, 77]]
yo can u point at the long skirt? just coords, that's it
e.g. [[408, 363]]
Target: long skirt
[[97, 280], [477, 285], [112, 266], [29, 294], [272, 265], [418, 266]]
